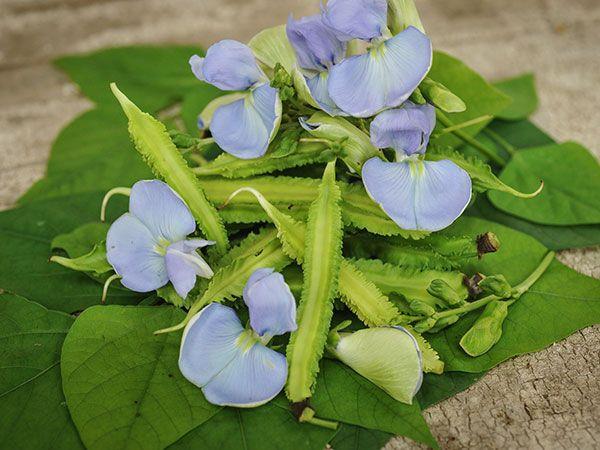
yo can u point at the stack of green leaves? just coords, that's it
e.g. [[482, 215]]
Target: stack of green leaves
[[76, 374]]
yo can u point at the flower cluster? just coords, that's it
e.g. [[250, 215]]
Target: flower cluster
[[349, 64]]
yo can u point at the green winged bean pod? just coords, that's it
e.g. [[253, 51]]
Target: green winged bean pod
[[321, 266], [358, 293], [486, 330], [153, 143]]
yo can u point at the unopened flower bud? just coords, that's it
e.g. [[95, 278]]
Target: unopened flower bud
[[442, 290], [486, 330], [425, 325], [439, 95], [422, 308], [496, 285]]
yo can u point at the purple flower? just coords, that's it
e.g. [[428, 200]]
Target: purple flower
[[233, 365], [148, 246], [356, 19], [246, 126], [406, 129]]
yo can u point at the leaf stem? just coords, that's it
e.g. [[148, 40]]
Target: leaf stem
[[518, 291], [468, 123], [470, 140]]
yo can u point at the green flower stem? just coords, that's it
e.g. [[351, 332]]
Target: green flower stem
[[308, 416], [511, 149], [468, 123], [469, 139], [114, 191], [518, 291]]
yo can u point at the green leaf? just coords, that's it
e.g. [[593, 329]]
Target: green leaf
[[480, 97], [351, 437], [94, 262], [269, 427], [552, 236], [339, 390], [321, 267], [122, 383], [521, 90], [436, 388], [571, 178], [34, 414], [26, 233], [93, 153], [561, 302], [154, 144], [154, 77], [83, 238]]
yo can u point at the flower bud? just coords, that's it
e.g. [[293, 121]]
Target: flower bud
[[444, 322], [425, 325], [486, 330], [422, 308], [442, 290], [388, 357], [496, 285], [402, 14], [439, 95]]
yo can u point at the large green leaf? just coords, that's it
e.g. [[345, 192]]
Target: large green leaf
[[480, 97], [269, 427], [572, 181], [521, 90], [122, 383], [34, 415], [26, 233], [351, 437], [552, 236], [561, 302], [342, 394], [154, 77]]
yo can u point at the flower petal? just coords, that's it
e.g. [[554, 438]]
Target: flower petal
[[163, 212], [196, 62], [245, 127], [131, 250], [254, 377], [184, 264], [315, 44], [406, 129], [209, 343], [270, 302], [230, 66], [388, 357], [383, 78], [228, 362], [356, 19], [318, 90], [418, 195]]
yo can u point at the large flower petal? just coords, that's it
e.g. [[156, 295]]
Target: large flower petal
[[245, 127], [228, 65], [418, 195], [209, 343], [315, 44], [163, 212], [317, 86], [255, 376], [270, 302], [184, 264], [356, 19], [383, 78], [132, 251], [230, 365], [406, 129]]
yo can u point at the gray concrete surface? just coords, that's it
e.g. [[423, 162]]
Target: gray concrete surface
[[548, 400]]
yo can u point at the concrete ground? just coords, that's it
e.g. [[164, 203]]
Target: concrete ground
[[548, 400]]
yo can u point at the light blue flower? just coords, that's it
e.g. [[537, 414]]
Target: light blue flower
[[148, 246], [416, 194], [233, 365], [317, 49], [382, 78], [246, 126], [356, 19], [406, 129]]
